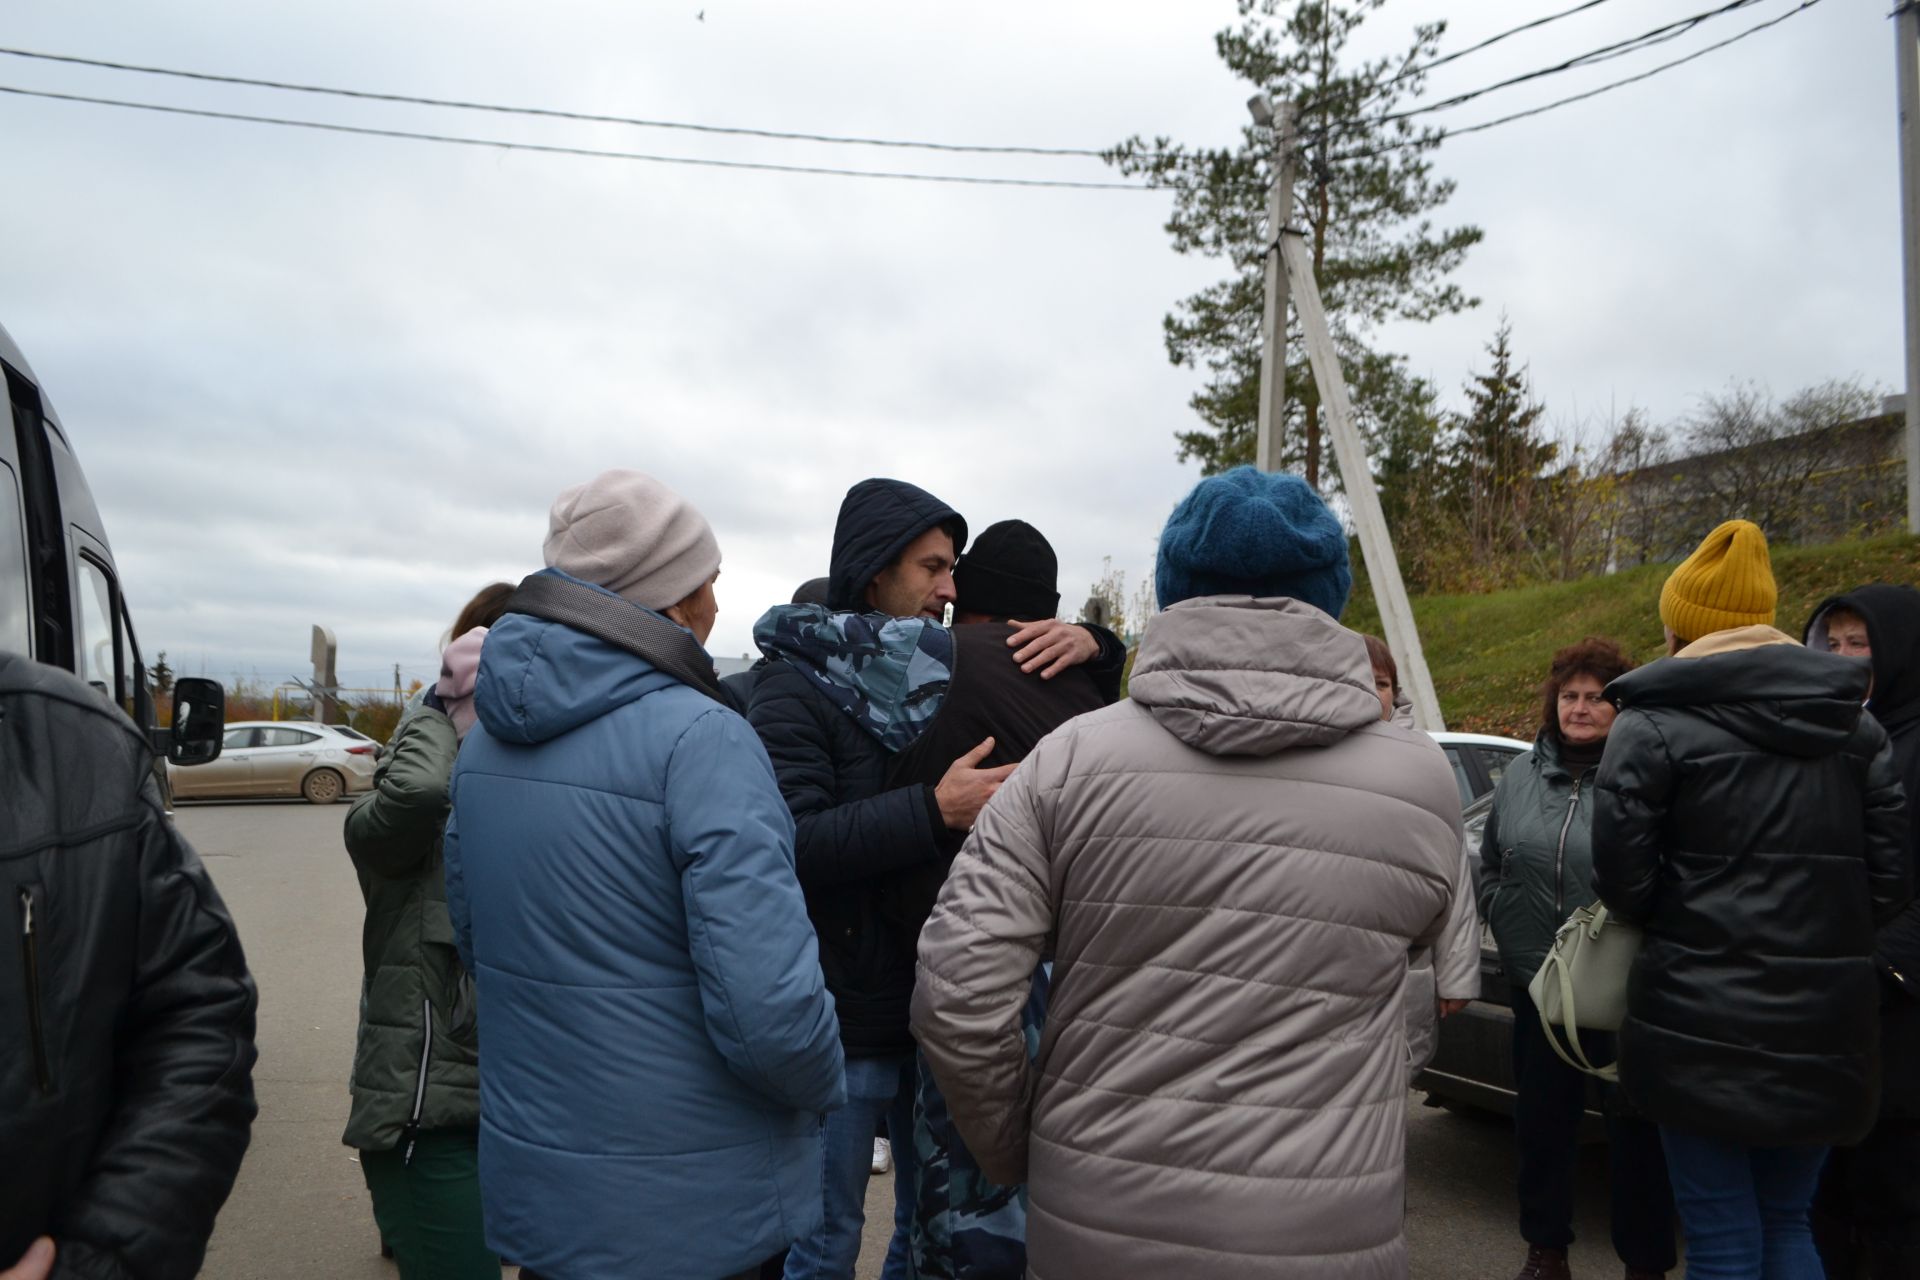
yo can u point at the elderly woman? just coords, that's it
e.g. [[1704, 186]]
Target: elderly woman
[[1537, 865]]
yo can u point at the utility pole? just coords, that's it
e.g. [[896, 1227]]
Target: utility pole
[[1291, 255], [1906, 35], [1273, 351]]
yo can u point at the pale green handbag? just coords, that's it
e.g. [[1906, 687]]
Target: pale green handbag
[[1583, 984]]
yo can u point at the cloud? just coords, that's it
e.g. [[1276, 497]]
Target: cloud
[[339, 380]]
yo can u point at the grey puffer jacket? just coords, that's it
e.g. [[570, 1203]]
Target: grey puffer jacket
[[1229, 872], [1536, 856], [1450, 968]]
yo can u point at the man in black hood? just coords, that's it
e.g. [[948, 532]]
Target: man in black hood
[[861, 843], [1867, 1212]]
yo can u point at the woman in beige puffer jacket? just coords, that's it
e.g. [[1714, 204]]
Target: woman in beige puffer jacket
[[1228, 872]]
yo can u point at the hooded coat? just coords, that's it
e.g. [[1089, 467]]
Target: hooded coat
[[1228, 871], [1892, 615], [857, 843], [416, 1054], [659, 1047], [1748, 818]]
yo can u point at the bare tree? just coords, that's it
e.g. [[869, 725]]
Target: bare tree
[[1759, 459]]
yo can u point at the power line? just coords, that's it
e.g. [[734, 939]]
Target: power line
[[1425, 67], [1646, 39], [551, 149], [1590, 93], [548, 112]]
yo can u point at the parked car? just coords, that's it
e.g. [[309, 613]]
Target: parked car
[[61, 600], [1478, 760], [320, 762], [1472, 1067]]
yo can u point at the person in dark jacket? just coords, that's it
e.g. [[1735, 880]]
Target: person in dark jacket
[[415, 1082], [738, 687], [1536, 869], [860, 842], [659, 1047], [1749, 820], [126, 1091], [1867, 1212], [964, 1224]]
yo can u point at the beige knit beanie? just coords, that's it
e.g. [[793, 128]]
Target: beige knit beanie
[[627, 532]]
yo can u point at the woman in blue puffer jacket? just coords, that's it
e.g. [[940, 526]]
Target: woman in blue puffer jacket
[[660, 1046]]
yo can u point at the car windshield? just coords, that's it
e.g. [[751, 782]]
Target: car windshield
[[345, 732]]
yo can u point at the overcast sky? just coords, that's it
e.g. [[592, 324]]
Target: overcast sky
[[321, 378]]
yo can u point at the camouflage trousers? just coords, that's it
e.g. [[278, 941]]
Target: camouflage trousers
[[965, 1227]]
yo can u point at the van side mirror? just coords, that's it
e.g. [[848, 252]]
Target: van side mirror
[[199, 721]]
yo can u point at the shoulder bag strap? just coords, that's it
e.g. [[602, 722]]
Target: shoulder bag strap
[[626, 626]]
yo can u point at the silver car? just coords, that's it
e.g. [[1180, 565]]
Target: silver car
[[320, 762]]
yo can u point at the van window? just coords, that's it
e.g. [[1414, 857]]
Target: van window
[[16, 606], [94, 657]]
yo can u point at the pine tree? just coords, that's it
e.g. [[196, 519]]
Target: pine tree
[[1499, 450], [1363, 207]]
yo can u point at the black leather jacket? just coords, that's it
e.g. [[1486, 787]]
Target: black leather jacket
[[1749, 818], [126, 1012]]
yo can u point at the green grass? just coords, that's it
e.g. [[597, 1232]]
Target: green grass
[[1489, 653]]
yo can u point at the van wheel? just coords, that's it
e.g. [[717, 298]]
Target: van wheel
[[323, 786]]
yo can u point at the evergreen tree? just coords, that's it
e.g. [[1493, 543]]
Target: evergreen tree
[[161, 675], [1499, 450], [1368, 188]]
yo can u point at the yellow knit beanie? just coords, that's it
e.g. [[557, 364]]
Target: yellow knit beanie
[[1727, 582]]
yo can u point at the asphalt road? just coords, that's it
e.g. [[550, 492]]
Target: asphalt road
[[300, 1208]]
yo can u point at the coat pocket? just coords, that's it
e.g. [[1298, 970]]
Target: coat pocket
[[32, 917]]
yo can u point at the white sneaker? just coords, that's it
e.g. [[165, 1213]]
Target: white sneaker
[[882, 1156]]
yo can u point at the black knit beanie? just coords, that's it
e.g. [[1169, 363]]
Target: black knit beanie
[[1010, 572]]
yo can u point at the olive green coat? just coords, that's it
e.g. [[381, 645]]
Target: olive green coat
[[416, 1059], [1536, 856]]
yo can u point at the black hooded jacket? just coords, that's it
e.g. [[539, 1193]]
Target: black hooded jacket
[[126, 1012], [856, 843], [1747, 816], [1892, 615]]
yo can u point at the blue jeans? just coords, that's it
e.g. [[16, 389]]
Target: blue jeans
[[877, 1089], [1744, 1209]]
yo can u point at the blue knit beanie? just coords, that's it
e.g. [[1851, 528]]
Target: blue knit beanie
[[1254, 533]]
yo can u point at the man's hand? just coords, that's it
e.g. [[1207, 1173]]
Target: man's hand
[[963, 792], [1051, 647], [35, 1264], [1450, 1007]]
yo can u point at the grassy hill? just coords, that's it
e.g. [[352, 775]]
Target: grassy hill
[[1489, 653]]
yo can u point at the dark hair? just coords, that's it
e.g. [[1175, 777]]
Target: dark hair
[[484, 609], [1595, 656], [1382, 659]]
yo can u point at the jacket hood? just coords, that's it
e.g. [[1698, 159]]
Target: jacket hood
[[1761, 687], [888, 675], [1236, 676], [1892, 615], [540, 679], [878, 519]]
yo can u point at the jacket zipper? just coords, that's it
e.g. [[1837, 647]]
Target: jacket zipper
[[1560, 857], [412, 1130], [36, 1024]]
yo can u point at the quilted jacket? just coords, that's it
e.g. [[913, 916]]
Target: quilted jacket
[[1228, 871]]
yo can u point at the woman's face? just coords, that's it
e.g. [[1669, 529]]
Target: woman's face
[[1585, 716], [698, 611], [1847, 633], [1383, 685]]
